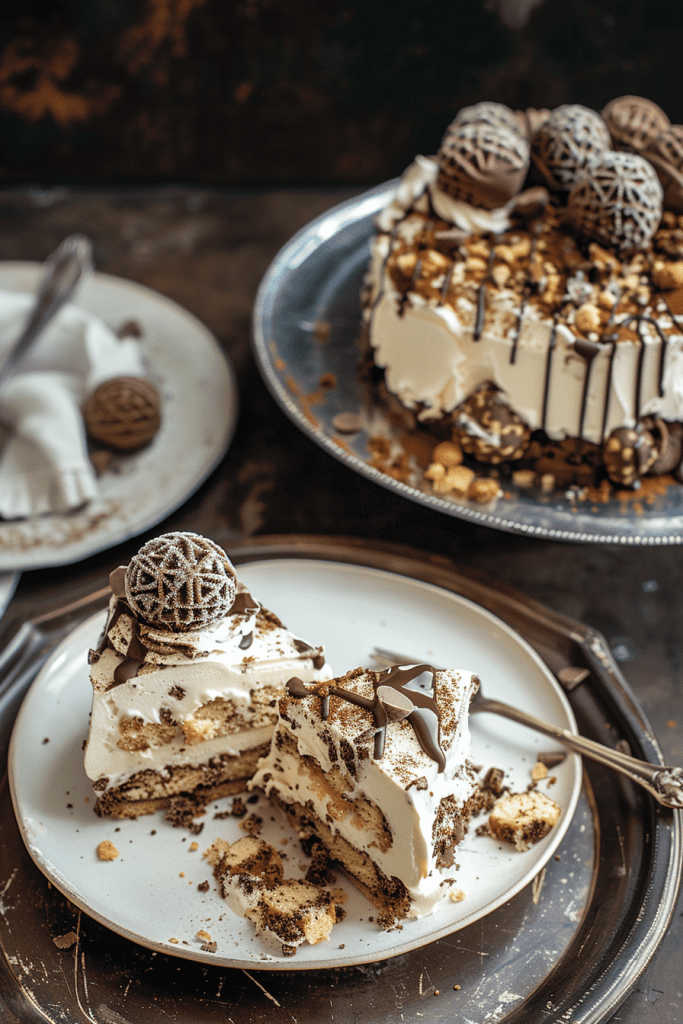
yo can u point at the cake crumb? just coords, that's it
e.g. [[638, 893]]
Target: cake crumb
[[202, 936], [194, 846], [456, 895], [523, 818], [174, 941], [65, 941], [107, 851], [539, 771]]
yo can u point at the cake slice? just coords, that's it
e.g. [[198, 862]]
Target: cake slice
[[374, 766], [251, 879], [185, 679]]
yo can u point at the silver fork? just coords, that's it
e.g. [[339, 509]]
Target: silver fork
[[665, 784]]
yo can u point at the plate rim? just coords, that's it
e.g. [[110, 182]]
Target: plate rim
[[403, 945], [302, 244], [42, 556]]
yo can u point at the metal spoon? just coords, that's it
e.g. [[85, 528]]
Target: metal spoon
[[62, 271], [665, 784]]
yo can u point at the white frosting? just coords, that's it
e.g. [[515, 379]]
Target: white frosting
[[409, 811], [215, 667], [432, 361]]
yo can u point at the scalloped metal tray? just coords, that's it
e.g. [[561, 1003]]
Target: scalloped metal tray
[[569, 947], [306, 324]]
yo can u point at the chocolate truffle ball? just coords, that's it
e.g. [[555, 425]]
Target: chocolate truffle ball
[[634, 122], [482, 164], [180, 582], [619, 204], [488, 428], [568, 144]]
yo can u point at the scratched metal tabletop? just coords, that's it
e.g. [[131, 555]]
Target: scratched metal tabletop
[[207, 250]]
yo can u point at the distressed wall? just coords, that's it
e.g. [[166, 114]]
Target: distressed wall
[[299, 91]]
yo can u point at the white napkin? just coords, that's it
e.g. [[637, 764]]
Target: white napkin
[[44, 463]]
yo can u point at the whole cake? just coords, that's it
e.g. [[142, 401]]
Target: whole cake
[[185, 679], [524, 299], [375, 768]]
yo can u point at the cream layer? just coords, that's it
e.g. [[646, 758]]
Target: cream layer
[[404, 783], [184, 674]]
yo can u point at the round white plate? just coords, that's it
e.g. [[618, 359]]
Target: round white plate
[[150, 895], [199, 412]]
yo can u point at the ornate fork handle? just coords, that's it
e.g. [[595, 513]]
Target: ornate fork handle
[[665, 784]]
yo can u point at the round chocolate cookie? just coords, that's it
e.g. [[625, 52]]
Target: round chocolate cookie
[[180, 582], [123, 413], [568, 144], [487, 428], [481, 164], [619, 204], [634, 122]]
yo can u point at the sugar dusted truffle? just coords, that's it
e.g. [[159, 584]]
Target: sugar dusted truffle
[[185, 679], [375, 768]]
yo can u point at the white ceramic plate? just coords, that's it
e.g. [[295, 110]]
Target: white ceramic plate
[[199, 412], [149, 894]]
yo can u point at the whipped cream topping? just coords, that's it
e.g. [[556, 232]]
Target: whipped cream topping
[[155, 677], [404, 782]]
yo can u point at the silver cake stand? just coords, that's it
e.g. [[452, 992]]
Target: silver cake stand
[[306, 325]]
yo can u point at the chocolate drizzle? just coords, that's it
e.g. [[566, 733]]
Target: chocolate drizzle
[[548, 366], [424, 717], [135, 652], [518, 331], [588, 350], [481, 300], [316, 654]]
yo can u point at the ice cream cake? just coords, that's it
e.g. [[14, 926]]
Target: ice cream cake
[[185, 679], [375, 767], [524, 298]]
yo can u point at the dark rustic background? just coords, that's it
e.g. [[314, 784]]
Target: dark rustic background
[[299, 91]]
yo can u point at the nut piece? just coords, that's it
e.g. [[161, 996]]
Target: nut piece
[[123, 413], [628, 453], [619, 204], [587, 318], [489, 429], [568, 144], [181, 582], [107, 851], [483, 489], [448, 453]]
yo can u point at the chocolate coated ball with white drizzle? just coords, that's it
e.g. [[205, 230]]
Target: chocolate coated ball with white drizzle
[[634, 122], [180, 582], [619, 204], [496, 115], [568, 144], [482, 164]]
